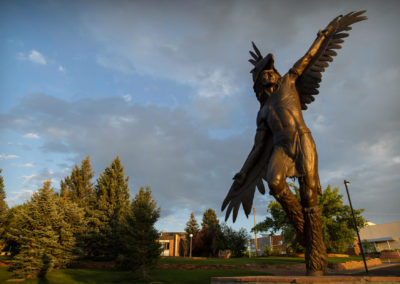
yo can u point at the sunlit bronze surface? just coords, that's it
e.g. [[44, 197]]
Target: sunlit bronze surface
[[283, 145]]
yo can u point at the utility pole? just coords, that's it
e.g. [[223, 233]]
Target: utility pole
[[355, 225], [255, 231]]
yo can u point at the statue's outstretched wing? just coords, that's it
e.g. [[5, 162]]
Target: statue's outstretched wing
[[243, 193], [308, 83]]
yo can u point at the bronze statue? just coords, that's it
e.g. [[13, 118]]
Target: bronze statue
[[283, 145]]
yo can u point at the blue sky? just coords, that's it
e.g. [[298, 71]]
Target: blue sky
[[166, 86]]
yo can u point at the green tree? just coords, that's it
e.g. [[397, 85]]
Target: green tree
[[337, 222], [206, 242], [141, 249], [210, 219], [192, 227], [235, 241], [112, 205], [45, 233], [79, 186], [3, 213]]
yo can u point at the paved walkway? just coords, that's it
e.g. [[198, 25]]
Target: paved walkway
[[296, 270]]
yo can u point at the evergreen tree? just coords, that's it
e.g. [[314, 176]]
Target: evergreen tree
[[72, 225], [3, 212], [337, 223], [141, 249], [112, 205], [45, 233], [206, 241], [192, 227], [210, 219], [79, 187]]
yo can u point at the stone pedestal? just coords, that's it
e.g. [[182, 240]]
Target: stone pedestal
[[306, 279]]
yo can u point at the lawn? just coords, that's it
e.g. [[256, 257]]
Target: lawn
[[252, 260], [94, 276], [86, 275]]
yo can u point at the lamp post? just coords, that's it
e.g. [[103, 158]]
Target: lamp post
[[355, 225], [191, 236]]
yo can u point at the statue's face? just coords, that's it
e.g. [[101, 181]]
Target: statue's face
[[269, 78], [265, 85]]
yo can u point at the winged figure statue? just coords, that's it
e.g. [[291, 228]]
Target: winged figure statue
[[283, 145]]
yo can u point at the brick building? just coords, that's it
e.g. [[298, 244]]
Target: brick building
[[276, 243], [171, 243]]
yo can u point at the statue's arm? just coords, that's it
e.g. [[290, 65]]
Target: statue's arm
[[259, 143], [299, 67]]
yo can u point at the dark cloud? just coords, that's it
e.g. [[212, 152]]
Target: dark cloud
[[188, 153], [159, 146]]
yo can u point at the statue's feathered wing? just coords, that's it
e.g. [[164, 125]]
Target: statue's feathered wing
[[308, 83], [244, 193]]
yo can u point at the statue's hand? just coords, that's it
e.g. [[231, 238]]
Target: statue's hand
[[331, 27], [240, 177], [327, 31]]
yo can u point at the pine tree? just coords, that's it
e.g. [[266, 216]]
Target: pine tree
[[79, 187], [71, 227], [192, 227], [141, 249], [3, 212], [45, 233], [210, 219], [112, 204]]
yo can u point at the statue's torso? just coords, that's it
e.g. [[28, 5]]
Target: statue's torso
[[282, 115]]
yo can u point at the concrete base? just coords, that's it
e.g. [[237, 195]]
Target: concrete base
[[306, 279]]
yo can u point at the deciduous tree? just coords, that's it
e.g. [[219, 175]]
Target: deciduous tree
[[337, 223]]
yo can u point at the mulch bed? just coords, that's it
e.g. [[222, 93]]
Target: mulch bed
[[224, 266], [5, 262]]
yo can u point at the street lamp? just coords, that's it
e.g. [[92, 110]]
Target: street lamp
[[191, 236]]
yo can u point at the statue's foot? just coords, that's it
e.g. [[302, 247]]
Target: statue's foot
[[315, 273]]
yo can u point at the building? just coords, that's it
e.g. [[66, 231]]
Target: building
[[172, 244], [382, 236], [276, 243]]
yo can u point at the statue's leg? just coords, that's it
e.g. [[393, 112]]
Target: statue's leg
[[316, 256], [276, 178]]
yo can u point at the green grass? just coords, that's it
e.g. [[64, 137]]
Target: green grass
[[232, 261], [5, 257], [252, 260], [165, 275], [75, 276]]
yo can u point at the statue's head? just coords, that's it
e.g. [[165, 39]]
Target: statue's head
[[265, 76]]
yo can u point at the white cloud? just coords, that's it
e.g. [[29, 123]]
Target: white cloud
[[8, 157], [32, 135], [30, 179], [36, 57], [396, 160], [127, 98], [29, 165], [19, 197], [61, 68]]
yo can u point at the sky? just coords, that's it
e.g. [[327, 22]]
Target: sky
[[166, 86]]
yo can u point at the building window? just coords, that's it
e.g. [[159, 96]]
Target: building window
[[165, 246]]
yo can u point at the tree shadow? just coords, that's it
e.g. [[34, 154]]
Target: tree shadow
[[45, 268]]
